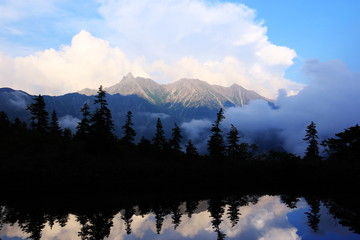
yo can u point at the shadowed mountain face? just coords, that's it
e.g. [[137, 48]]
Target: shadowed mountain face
[[188, 93], [180, 101]]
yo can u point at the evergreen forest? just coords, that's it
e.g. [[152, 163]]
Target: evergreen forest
[[42, 157]]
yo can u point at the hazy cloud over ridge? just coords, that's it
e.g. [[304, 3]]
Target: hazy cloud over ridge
[[330, 100]]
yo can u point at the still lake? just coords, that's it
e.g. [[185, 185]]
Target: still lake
[[246, 217]]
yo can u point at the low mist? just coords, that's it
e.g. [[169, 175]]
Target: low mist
[[330, 99]]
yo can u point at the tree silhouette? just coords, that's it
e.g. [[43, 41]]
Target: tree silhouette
[[216, 209], [67, 134], [289, 200], [39, 118], [233, 147], [176, 138], [233, 210], [191, 206], [312, 151], [159, 139], [216, 145], [102, 123], [314, 214], [159, 218], [54, 128], [191, 150], [4, 124], [346, 147], [95, 226], [127, 217], [176, 215], [129, 132], [83, 127]]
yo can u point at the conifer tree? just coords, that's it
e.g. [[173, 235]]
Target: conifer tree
[[129, 132], [216, 145], [312, 151], [83, 127], [39, 118], [176, 138], [4, 122], [233, 146], [159, 139], [67, 134], [102, 123], [54, 125], [191, 150]]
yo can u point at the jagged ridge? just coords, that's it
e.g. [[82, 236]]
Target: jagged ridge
[[184, 92]]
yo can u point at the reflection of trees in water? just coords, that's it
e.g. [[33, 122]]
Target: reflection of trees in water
[[127, 217], [314, 214], [97, 225], [176, 214], [289, 200], [235, 203], [160, 214], [346, 210], [191, 206], [216, 209]]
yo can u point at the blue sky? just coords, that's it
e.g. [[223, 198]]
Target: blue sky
[[262, 45], [323, 30]]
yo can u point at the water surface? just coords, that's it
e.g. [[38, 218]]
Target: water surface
[[245, 217]]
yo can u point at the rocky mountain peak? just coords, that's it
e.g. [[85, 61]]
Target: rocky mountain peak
[[185, 92]]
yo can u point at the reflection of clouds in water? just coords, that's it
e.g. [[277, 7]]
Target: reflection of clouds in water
[[13, 231], [280, 234], [265, 220], [190, 227], [70, 231], [261, 221]]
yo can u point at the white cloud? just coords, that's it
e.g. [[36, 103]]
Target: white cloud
[[88, 62], [218, 42], [330, 100]]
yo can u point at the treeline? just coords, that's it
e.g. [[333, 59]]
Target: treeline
[[45, 154]]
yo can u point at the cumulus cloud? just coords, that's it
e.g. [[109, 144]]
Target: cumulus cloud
[[330, 100], [224, 45], [88, 62]]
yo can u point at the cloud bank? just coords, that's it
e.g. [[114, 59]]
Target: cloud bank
[[218, 42], [330, 100]]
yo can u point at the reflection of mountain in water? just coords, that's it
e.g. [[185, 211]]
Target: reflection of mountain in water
[[241, 217]]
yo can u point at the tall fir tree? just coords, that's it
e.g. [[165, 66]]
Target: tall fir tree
[[216, 146], [190, 150], [39, 118], [159, 139], [176, 138], [54, 125], [83, 127], [129, 132], [233, 146], [312, 151], [102, 124]]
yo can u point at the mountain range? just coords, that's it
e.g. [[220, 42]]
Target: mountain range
[[189, 93], [179, 102]]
